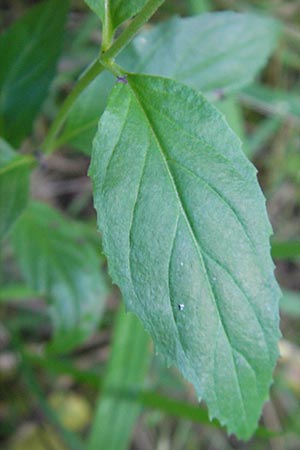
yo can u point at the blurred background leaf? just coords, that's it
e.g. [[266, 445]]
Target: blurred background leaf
[[216, 54], [29, 50], [14, 185], [58, 261]]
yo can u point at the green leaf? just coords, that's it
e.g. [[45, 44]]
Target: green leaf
[[14, 185], [211, 52], [184, 223], [28, 55], [127, 367], [81, 124], [119, 10], [57, 261]]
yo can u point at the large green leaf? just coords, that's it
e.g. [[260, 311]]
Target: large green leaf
[[119, 10], [211, 52], [28, 55], [186, 234], [127, 367], [58, 261], [14, 185]]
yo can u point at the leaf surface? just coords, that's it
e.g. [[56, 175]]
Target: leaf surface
[[28, 53], [14, 185], [186, 234], [211, 52], [58, 261], [119, 10]]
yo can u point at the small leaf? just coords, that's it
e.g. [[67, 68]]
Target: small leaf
[[212, 52], [119, 10], [59, 262], [14, 185], [186, 234], [28, 55]]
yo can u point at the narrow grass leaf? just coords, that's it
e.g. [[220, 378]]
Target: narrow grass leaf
[[127, 367]]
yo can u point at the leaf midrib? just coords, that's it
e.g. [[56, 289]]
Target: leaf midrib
[[190, 228], [228, 205]]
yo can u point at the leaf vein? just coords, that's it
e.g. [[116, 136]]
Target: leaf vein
[[194, 239], [116, 144]]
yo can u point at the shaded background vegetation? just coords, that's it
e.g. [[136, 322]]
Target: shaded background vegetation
[[48, 398]]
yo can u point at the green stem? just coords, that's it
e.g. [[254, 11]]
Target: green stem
[[107, 32], [140, 19], [114, 68], [89, 75], [96, 68]]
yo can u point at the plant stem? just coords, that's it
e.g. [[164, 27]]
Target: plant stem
[[96, 68], [107, 32], [140, 19], [89, 75]]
